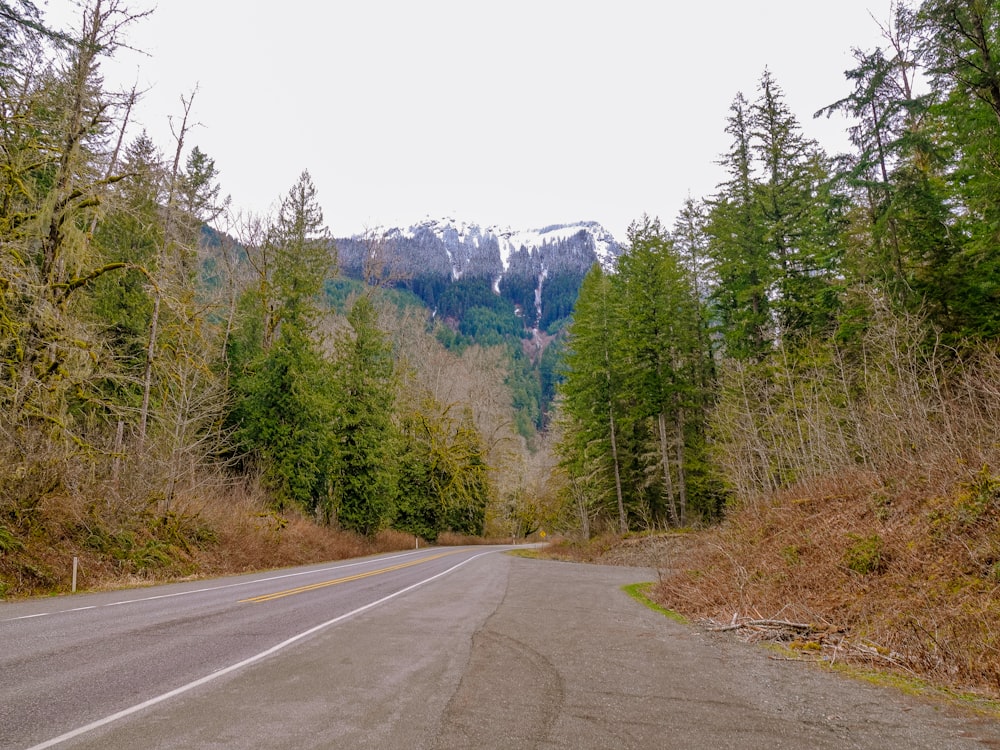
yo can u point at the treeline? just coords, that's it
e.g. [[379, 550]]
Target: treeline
[[157, 350], [815, 315]]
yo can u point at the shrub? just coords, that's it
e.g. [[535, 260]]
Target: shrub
[[865, 554], [8, 541]]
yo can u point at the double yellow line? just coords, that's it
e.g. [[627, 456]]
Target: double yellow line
[[334, 582]]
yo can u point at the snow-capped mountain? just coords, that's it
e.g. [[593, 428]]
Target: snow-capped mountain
[[509, 241], [537, 271], [462, 248]]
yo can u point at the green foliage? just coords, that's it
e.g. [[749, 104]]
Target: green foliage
[[752, 340], [864, 555], [401, 299], [365, 482], [738, 249], [526, 392], [593, 400], [149, 542], [559, 292], [660, 348], [184, 530], [774, 231], [550, 371], [961, 42], [444, 483], [427, 287], [798, 216], [489, 327], [980, 496], [638, 591], [791, 555], [9, 541], [977, 500], [282, 418], [461, 296], [339, 291], [133, 234], [283, 387], [306, 257], [637, 386], [124, 371], [519, 288], [474, 314]]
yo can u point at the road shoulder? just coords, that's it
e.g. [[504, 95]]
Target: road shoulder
[[568, 660]]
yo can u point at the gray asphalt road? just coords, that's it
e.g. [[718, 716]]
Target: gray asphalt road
[[500, 652], [69, 661]]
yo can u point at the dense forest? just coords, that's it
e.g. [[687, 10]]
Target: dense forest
[[161, 351], [816, 315]]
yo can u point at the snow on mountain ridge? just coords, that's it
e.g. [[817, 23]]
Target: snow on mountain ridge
[[511, 240]]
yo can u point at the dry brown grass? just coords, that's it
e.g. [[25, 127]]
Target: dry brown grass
[[222, 530], [910, 566], [590, 551], [891, 535], [57, 503], [451, 539]]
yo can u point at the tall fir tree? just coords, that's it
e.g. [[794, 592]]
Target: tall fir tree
[[962, 45], [738, 248], [662, 356], [798, 218], [283, 387], [592, 395], [365, 485]]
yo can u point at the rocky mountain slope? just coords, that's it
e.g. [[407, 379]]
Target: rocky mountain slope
[[538, 271]]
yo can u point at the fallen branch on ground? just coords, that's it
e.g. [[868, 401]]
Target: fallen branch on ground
[[780, 624], [823, 643]]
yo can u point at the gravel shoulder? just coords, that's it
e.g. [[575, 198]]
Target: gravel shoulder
[[568, 661]]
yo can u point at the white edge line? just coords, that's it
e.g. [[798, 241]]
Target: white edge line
[[260, 580], [217, 588], [239, 665]]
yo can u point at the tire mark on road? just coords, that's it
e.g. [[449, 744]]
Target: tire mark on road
[[510, 692]]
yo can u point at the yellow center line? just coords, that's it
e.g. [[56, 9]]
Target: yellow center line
[[355, 577]]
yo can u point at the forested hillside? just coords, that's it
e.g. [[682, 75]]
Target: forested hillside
[[817, 314], [490, 287]]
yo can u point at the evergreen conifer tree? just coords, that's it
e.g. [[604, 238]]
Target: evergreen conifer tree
[[592, 394], [365, 388]]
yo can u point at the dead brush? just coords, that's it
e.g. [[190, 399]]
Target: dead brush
[[217, 526], [928, 605], [864, 504], [452, 539], [253, 536]]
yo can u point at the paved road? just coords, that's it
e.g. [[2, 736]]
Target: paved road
[[67, 662], [497, 652]]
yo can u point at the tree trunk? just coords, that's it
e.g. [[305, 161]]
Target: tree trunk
[[622, 519], [668, 482], [147, 377], [581, 505], [147, 381], [681, 476]]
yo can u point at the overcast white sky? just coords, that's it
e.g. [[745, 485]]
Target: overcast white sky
[[512, 112]]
